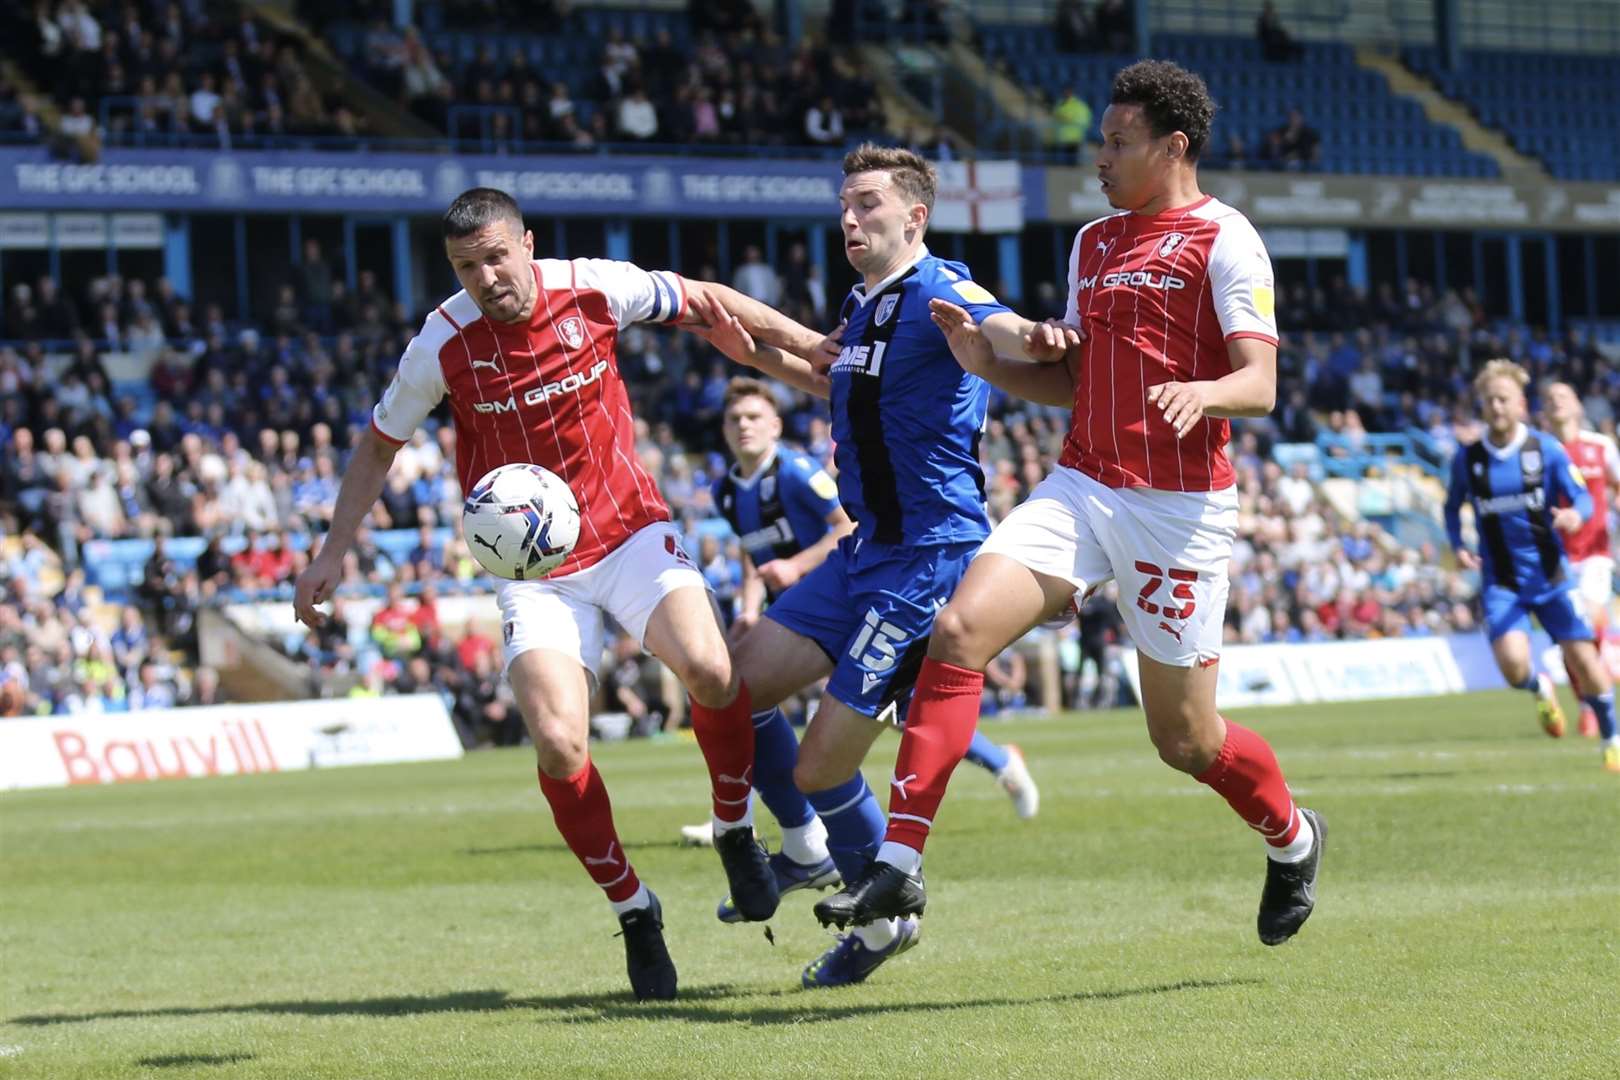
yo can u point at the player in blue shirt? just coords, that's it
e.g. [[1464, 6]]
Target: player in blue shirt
[[906, 419], [784, 507], [1515, 478]]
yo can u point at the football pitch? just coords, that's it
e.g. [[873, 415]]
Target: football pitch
[[423, 921]]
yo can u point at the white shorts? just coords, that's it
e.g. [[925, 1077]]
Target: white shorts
[[1168, 550], [1594, 580], [565, 614]]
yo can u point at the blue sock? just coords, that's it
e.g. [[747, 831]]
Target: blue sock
[[855, 824], [986, 754], [1603, 706], [776, 751], [1531, 683]]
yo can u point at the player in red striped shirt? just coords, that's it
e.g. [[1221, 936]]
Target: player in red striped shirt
[[1590, 548], [525, 353], [1170, 330]]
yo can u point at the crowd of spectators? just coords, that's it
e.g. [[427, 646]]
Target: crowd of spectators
[[734, 81], [252, 458], [161, 68], [1099, 26]]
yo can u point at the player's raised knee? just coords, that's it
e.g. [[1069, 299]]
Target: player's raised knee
[[954, 641], [1186, 751], [559, 745], [706, 672]]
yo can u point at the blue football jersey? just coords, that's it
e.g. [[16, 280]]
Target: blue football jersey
[[1514, 490], [905, 417], [780, 510]]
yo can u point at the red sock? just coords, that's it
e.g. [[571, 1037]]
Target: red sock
[[1247, 776], [939, 726], [726, 737], [584, 816]]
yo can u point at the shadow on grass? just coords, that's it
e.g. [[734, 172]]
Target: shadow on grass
[[561, 848], [182, 1061], [713, 1004]]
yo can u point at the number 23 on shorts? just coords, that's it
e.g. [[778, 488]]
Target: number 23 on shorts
[[1181, 590]]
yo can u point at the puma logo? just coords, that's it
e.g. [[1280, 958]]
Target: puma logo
[[495, 548], [745, 780], [476, 364], [899, 784], [1172, 631], [605, 860]]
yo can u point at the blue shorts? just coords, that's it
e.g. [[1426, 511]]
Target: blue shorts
[[871, 608], [1558, 611]]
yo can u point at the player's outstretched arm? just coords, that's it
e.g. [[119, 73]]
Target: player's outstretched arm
[[1044, 383], [766, 325], [1014, 337], [712, 322], [1456, 491], [362, 484]]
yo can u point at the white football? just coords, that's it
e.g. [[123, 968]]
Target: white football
[[521, 521]]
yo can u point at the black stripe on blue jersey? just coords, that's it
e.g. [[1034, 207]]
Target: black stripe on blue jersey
[[1492, 535], [880, 490], [1533, 467]]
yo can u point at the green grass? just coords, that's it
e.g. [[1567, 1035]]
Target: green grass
[[425, 921]]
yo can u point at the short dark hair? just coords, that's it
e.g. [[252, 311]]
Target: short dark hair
[[1172, 99], [910, 172], [744, 387], [478, 207]]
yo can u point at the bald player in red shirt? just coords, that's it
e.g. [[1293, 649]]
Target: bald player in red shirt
[[525, 353], [1170, 330]]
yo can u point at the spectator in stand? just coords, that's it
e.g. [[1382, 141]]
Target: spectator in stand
[[1115, 25], [1074, 26], [1295, 145], [1276, 43], [824, 123], [637, 116], [755, 278], [1071, 123]]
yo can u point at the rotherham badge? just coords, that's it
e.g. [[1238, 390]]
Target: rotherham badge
[[885, 309], [572, 331]]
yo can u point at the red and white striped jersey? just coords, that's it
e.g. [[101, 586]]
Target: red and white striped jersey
[[546, 392], [1598, 461], [1158, 297]]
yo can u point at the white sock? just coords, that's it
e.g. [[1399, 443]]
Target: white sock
[[744, 822], [1612, 740], [641, 899], [806, 844], [906, 858], [1296, 849], [878, 934]]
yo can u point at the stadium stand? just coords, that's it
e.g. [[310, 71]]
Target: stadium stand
[[1363, 127], [598, 77], [1561, 108]]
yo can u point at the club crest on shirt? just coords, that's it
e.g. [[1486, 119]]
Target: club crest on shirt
[[1531, 460], [885, 308], [1168, 246], [767, 488], [572, 331]]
